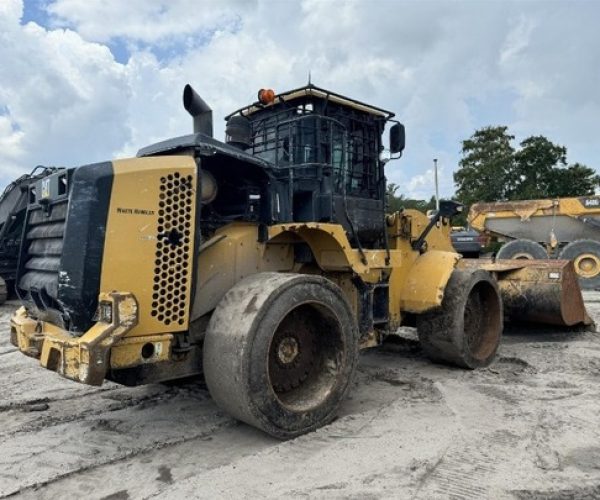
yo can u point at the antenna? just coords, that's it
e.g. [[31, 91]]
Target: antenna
[[309, 82], [437, 191]]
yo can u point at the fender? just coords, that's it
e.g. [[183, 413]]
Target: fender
[[425, 282], [331, 249]]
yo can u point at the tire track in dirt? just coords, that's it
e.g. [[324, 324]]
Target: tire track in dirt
[[536, 420], [465, 469], [346, 428], [133, 454], [66, 449], [148, 474], [509, 394], [408, 429], [331, 462], [68, 410]]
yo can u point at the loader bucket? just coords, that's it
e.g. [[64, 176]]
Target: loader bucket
[[538, 291]]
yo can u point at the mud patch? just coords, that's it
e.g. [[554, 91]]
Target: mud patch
[[333, 486], [584, 492], [402, 344], [500, 392], [510, 368], [34, 405], [417, 389], [585, 459], [119, 495], [522, 333], [106, 425], [513, 362], [164, 475], [561, 384]]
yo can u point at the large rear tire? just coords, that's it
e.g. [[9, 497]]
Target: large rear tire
[[3, 291], [466, 330], [585, 255], [280, 352], [522, 249]]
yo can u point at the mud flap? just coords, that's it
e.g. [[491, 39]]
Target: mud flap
[[538, 291]]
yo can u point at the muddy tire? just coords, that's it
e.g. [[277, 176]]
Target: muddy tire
[[3, 291], [522, 249], [280, 352], [466, 330], [585, 255]]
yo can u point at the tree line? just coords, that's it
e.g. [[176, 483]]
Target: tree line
[[491, 168]]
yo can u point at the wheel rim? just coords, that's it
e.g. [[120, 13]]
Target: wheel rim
[[305, 357], [522, 256], [481, 320], [587, 265], [292, 352]]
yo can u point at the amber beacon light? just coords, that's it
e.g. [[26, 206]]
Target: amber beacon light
[[266, 96]]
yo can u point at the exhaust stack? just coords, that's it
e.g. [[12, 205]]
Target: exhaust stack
[[200, 111]]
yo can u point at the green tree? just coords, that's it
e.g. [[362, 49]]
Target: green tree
[[393, 202], [535, 168], [491, 170], [396, 202], [485, 167], [574, 180]]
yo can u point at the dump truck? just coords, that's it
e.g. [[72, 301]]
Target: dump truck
[[13, 206], [559, 228], [264, 263]]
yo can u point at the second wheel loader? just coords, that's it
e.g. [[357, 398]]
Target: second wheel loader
[[265, 263]]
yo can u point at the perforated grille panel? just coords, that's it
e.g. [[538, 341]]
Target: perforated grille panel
[[172, 265]]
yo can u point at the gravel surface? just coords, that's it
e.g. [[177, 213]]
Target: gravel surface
[[527, 427]]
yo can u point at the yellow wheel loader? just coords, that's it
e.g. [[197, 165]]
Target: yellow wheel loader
[[265, 263], [563, 228]]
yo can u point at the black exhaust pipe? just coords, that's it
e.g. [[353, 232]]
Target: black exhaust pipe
[[200, 111]]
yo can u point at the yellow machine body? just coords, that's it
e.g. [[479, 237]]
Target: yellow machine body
[[135, 269], [264, 263], [146, 290]]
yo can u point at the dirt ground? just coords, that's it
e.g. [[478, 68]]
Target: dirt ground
[[527, 427]]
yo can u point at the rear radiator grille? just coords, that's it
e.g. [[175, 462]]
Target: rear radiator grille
[[173, 244], [43, 244]]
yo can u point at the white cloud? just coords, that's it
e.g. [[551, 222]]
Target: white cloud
[[146, 21], [446, 68], [517, 39], [63, 97]]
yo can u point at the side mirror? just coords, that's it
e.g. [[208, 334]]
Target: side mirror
[[397, 138], [449, 208]]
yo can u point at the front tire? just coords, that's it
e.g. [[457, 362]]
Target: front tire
[[522, 249], [280, 352], [585, 255], [466, 329]]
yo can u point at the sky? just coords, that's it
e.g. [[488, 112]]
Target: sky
[[83, 81]]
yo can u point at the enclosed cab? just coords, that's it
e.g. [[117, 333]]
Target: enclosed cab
[[325, 150], [307, 155]]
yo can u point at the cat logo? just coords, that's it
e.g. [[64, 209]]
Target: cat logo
[[46, 187]]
